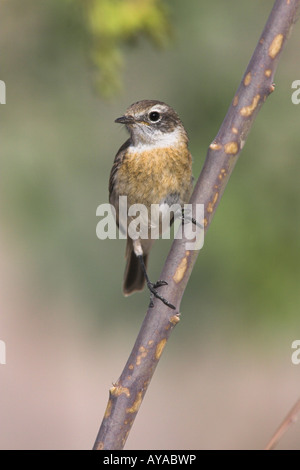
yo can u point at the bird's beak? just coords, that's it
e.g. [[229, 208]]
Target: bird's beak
[[125, 120]]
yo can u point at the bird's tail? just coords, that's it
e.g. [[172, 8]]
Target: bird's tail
[[134, 279]]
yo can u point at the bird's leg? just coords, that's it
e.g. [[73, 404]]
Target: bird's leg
[[185, 216], [154, 286]]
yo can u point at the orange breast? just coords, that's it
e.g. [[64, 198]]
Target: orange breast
[[148, 177]]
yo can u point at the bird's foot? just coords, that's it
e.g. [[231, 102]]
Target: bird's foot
[[186, 217], [153, 293]]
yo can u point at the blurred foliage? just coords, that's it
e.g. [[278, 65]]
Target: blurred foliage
[[58, 142], [113, 23]]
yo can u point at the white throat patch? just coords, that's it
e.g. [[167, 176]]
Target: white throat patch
[[160, 140]]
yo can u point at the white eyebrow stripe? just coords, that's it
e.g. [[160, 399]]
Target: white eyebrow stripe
[[159, 108]]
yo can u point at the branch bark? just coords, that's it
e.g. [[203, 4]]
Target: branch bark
[[290, 419], [126, 395]]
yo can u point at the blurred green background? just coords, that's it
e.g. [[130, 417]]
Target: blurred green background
[[226, 379]]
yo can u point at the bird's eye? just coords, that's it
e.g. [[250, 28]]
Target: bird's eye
[[154, 116]]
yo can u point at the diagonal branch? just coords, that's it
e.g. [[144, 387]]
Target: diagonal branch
[[290, 418], [127, 393]]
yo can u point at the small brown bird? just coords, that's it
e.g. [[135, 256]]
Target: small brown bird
[[154, 166]]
